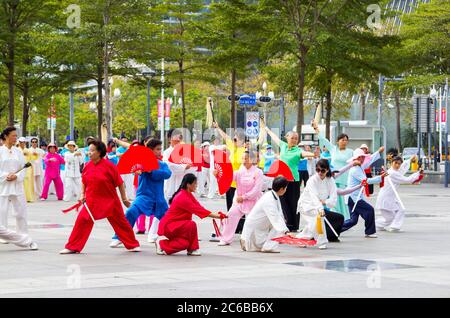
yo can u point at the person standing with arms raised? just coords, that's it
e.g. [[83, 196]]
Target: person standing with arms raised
[[290, 154]]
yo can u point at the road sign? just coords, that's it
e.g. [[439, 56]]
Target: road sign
[[51, 123], [424, 114], [252, 124], [236, 97], [247, 99]]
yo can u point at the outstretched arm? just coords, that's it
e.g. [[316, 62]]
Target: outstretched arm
[[274, 137], [122, 143], [221, 132]]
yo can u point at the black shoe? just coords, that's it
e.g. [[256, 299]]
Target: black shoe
[[140, 232]]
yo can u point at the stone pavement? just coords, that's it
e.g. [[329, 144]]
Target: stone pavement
[[415, 263]]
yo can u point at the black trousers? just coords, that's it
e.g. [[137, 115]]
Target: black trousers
[[369, 175], [336, 220], [304, 176], [289, 205]]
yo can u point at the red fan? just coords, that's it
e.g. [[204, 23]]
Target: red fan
[[279, 168], [294, 241], [225, 170], [419, 178], [186, 154], [137, 158]]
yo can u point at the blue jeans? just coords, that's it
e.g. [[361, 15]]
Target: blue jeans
[[131, 215], [366, 211]]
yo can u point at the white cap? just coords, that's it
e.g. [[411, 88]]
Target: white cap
[[71, 143], [22, 139], [364, 146], [357, 153], [205, 144]]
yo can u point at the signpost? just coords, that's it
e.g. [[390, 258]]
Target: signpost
[[252, 124]]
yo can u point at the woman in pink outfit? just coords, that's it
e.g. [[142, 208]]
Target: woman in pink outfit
[[53, 162], [249, 184]]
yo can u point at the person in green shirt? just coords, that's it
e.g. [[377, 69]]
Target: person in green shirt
[[290, 154]]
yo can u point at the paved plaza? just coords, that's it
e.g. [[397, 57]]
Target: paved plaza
[[414, 263]]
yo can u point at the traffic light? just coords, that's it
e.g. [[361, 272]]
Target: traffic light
[[265, 99], [236, 97]]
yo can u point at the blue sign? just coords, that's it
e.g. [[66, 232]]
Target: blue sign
[[247, 99]]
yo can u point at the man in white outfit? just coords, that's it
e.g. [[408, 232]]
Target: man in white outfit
[[203, 175], [265, 221], [72, 184]]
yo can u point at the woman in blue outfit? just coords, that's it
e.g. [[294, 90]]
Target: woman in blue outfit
[[150, 195]]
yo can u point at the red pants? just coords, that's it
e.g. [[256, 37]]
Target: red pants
[[182, 235], [83, 227]]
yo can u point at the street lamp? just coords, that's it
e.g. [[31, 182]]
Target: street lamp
[[175, 97], [148, 74]]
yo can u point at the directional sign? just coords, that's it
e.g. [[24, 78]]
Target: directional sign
[[247, 99], [252, 124]]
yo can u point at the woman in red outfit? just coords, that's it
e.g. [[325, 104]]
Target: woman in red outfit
[[99, 182], [177, 224]]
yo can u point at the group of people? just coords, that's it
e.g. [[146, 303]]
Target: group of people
[[333, 195]]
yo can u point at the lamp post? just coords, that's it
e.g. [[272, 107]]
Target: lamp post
[[148, 74], [174, 98], [433, 94]]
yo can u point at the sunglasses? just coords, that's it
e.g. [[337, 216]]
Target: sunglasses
[[321, 170]]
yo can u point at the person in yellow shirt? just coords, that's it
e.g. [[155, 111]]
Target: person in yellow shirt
[[28, 182], [236, 149]]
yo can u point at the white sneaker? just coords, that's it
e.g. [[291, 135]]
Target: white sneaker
[[269, 251], [222, 243], [115, 243], [194, 253], [33, 246], [323, 247], [159, 251], [393, 230], [214, 238], [67, 251], [136, 249], [42, 199], [381, 228], [2, 241], [372, 236]]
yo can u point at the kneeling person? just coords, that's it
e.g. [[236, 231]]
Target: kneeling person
[[265, 221]]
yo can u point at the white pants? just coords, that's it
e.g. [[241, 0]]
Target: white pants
[[256, 240], [18, 203], [128, 180], [203, 181], [213, 186], [153, 231], [392, 219], [72, 188], [22, 240], [38, 181], [310, 229]]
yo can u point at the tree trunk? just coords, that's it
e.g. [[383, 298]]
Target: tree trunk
[[233, 118], [26, 110], [108, 109], [100, 101], [183, 105], [363, 103], [328, 107], [10, 65], [300, 94], [398, 121]]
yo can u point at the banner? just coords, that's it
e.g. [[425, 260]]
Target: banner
[[160, 114], [167, 115]]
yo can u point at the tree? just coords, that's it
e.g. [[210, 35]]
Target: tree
[[17, 17], [232, 31]]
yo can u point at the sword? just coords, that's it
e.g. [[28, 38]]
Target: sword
[[396, 193], [89, 211], [331, 227], [357, 200]]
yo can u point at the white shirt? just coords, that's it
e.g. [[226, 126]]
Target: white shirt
[[11, 160], [37, 164], [73, 164], [317, 189]]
